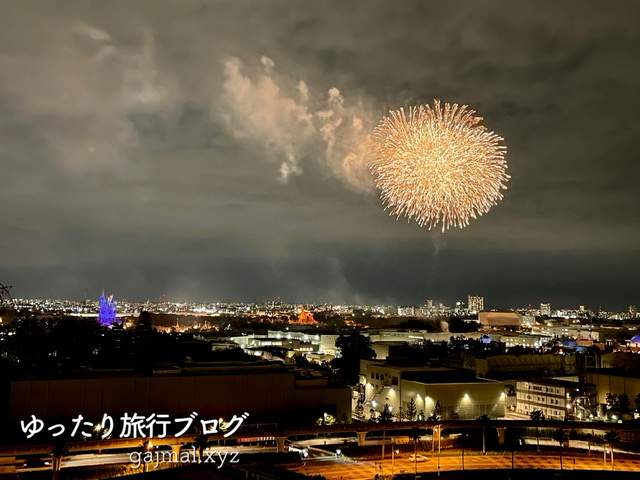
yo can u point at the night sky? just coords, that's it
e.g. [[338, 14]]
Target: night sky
[[207, 150]]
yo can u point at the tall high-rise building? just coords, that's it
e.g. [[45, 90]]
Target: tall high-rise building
[[633, 311], [429, 303], [107, 312], [545, 309], [475, 303]]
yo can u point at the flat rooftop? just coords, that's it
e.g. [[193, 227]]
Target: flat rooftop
[[553, 382], [442, 376]]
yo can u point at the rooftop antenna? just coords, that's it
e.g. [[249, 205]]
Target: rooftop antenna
[[5, 294]]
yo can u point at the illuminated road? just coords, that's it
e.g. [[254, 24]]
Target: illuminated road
[[319, 463], [107, 458], [343, 469], [93, 459]]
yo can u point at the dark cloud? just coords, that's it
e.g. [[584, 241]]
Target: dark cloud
[[144, 147]]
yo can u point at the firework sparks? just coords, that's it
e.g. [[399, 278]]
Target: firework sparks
[[438, 165]]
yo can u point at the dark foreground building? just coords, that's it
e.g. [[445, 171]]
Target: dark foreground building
[[269, 392]]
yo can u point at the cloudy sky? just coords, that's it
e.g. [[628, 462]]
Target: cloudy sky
[[211, 150]]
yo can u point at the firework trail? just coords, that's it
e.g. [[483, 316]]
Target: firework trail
[[438, 165]]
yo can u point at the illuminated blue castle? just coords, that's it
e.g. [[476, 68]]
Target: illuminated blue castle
[[107, 313]]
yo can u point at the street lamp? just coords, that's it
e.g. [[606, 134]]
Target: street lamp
[[434, 432], [393, 453], [147, 446], [98, 429], [611, 457]]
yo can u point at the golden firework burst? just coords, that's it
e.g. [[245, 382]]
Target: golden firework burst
[[438, 165]]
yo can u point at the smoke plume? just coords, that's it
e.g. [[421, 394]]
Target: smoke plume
[[297, 123]]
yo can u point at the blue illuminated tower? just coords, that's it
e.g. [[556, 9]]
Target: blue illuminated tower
[[107, 313]]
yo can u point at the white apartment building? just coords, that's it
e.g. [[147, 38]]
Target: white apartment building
[[556, 399]]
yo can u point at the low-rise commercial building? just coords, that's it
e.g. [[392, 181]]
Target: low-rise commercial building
[[500, 319], [615, 381], [518, 366], [459, 393]]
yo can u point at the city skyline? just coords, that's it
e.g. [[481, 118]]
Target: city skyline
[[210, 150], [104, 306]]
